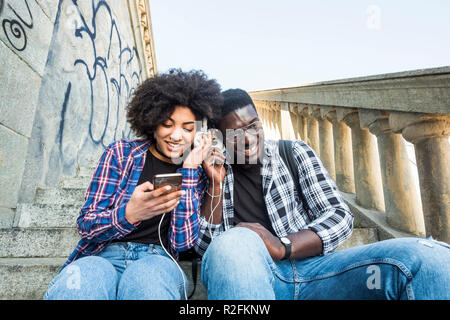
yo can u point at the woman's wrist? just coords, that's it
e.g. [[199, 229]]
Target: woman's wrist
[[129, 215], [189, 166]]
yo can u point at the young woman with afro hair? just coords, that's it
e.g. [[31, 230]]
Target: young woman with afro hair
[[130, 230]]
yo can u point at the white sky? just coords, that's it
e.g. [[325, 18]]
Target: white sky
[[263, 44]]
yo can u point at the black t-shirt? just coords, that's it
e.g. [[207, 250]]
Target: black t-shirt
[[249, 204], [147, 230]]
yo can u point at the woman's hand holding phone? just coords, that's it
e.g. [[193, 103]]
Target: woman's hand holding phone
[[147, 202]]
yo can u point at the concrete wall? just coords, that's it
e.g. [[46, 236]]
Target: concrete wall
[[67, 71]]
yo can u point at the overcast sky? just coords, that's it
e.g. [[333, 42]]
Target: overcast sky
[[263, 44]]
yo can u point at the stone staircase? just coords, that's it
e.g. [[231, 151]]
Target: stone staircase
[[44, 234]]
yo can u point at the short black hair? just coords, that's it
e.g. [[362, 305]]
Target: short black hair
[[155, 99], [234, 99]]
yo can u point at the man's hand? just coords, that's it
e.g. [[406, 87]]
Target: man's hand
[[213, 166], [273, 243], [145, 203]]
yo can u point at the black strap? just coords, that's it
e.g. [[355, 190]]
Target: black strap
[[285, 149], [194, 275]]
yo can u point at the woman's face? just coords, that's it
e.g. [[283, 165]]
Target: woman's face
[[176, 134]]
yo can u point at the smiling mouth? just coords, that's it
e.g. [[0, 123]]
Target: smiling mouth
[[173, 146]]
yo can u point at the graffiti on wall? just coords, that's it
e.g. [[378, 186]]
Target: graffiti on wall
[[15, 28], [111, 70]]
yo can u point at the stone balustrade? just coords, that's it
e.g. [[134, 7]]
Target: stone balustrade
[[360, 128]]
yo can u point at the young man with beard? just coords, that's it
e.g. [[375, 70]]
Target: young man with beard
[[261, 238]]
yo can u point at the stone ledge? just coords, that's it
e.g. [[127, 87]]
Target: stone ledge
[[38, 242], [424, 90], [46, 215], [373, 219]]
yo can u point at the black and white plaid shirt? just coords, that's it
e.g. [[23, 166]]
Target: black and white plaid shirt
[[328, 215]]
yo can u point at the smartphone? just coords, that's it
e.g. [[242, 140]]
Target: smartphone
[[172, 179], [203, 130]]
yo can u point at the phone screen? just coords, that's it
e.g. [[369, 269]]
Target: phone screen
[[172, 179]]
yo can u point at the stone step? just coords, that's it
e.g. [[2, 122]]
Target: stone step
[[37, 242], [80, 182], [65, 196], [59, 242], [359, 237], [28, 278], [86, 172], [46, 215]]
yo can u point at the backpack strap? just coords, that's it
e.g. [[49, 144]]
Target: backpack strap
[[285, 150]]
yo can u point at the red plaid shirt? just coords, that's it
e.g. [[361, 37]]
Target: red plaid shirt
[[102, 217]]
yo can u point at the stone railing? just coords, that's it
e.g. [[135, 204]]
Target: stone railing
[[360, 128]]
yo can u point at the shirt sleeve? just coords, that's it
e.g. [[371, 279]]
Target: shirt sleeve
[[184, 226], [332, 219], [99, 219]]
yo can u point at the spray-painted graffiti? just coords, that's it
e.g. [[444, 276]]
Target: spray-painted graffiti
[[14, 29], [111, 76]]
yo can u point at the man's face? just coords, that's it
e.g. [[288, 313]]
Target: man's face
[[244, 135]]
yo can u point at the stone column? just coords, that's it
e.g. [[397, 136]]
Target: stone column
[[343, 156], [368, 185], [262, 113], [293, 108], [272, 120], [287, 130], [402, 202], [278, 120], [304, 124], [430, 135], [299, 127], [312, 130], [326, 140]]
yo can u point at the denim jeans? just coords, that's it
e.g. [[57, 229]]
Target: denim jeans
[[237, 265], [122, 271]]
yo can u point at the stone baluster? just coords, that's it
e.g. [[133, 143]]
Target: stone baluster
[[368, 184], [430, 135], [278, 128], [326, 140], [287, 129], [402, 202], [295, 117], [312, 130], [263, 115], [303, 123], [271, 122], [343, 155]]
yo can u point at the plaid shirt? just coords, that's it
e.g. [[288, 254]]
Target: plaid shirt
[[328, 215], [102, 217]]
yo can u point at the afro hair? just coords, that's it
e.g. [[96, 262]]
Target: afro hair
[[156, 98]]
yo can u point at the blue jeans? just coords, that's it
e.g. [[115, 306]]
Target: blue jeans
[[122, 271], [237, 265]]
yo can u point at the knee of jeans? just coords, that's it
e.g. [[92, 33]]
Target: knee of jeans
[[82, 274], [237, 246], [411, 254], [152, 277]]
